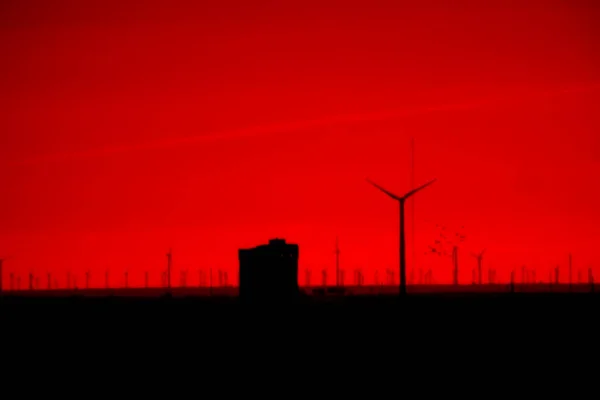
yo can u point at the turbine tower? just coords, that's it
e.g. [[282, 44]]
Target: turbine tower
[[479, 258], [401, 200]]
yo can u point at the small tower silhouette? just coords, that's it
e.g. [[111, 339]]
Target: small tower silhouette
[[455, 264], [570, 271], [512, 281], [169, 262], [337, 262]]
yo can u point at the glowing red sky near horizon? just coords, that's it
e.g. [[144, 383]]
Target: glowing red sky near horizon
[[127, 128]]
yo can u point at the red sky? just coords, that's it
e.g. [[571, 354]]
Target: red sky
[[130, 127]]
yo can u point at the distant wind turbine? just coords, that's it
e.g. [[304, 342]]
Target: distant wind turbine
[[401, 200], [479, 258]]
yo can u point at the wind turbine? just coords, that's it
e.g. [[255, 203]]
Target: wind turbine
[[401, 200], [479, 258]]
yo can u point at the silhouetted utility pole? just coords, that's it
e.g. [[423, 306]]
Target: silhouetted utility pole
[[146, 279], [87, 279], [337, 262], [455, 263], [169, 260]]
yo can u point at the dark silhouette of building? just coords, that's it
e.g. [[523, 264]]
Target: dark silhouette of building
[[269, 271]]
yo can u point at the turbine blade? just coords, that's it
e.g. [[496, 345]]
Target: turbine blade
[[392, 195], [407, 195]]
